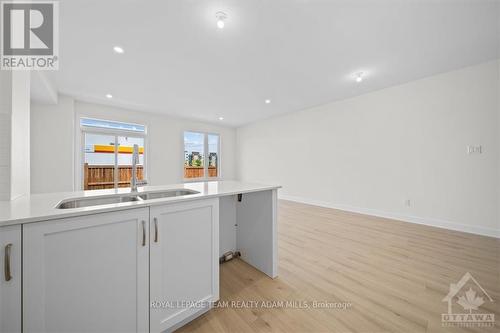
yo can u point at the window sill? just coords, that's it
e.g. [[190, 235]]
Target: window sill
[[194, 180]]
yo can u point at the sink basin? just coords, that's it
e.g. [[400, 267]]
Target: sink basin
[[167, 194], [87, 202], [112, 199]]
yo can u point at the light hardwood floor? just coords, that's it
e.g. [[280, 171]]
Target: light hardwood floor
[[395, 275]]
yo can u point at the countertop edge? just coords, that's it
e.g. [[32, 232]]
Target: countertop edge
[[128, 205]]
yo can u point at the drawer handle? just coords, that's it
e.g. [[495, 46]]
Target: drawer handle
[[8, 276], [143, 233], [156, 229]]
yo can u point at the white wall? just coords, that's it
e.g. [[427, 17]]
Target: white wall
[[52, 146], [498, 141], [20, 134], [373, 152], [5, 125], [165, 143], [14, 134]]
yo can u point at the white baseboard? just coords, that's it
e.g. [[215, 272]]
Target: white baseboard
[[400, 217]]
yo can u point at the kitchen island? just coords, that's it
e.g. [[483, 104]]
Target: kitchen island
[[121, 261]]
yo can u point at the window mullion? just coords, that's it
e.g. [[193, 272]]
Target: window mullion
[[116, 163], [218, 159], [205, 158]]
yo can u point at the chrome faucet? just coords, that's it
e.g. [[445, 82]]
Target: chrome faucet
[[135, 160]]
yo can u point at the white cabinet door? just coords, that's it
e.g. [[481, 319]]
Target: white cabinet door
[[184, 271], [10, 279], [87, 274]]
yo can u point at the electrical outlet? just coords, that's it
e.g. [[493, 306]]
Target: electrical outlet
[[474, 149]]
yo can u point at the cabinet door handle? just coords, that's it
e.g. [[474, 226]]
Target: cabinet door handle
[[156, 229], [8, 276], [143, 233]]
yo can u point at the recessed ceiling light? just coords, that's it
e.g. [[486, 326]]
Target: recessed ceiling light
[[359, 76], [267, 101], [221, 17], [118, 49], [109, 96], [221, 118]]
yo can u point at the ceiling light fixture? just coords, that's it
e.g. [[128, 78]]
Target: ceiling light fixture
[[267, 101], [221, 17], [109, 96], [118, 49], [221, 118], [359, 76]]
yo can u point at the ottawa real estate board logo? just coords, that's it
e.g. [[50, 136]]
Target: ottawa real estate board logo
[[29, 35], [465, 299]]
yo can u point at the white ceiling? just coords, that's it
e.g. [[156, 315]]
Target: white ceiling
[[298, 53]]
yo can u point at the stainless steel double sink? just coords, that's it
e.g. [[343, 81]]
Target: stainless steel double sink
[[114, 199]]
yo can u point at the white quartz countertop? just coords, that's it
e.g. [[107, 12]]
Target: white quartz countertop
[[41, 207]]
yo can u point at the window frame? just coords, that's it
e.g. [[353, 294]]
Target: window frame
[[206, 153], [112, 132]]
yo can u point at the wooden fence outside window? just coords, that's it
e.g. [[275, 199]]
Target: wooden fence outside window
[[97, 177]]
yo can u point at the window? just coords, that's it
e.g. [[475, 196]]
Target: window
[[107, 153], [201, 155]]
